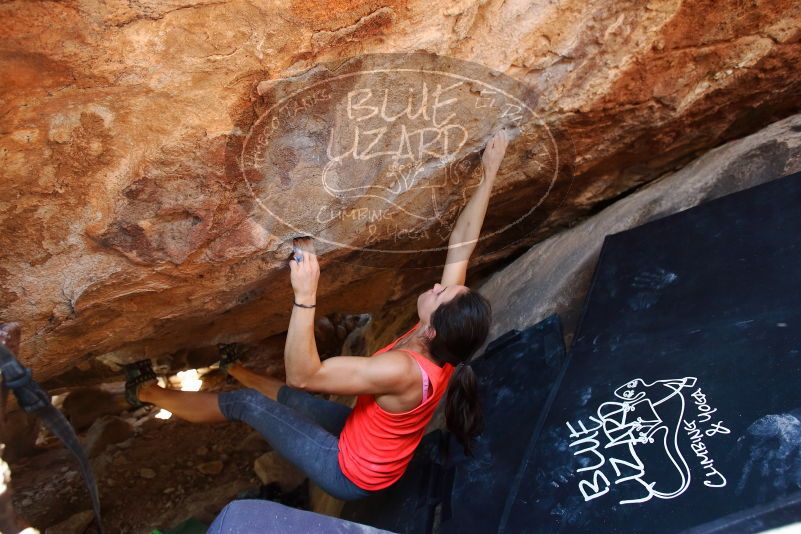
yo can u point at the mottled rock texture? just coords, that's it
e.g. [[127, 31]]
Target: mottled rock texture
[[126, 227]]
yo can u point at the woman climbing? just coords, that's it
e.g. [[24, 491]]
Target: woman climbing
[[353, 453]]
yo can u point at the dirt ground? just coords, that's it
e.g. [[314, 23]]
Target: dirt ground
[[168, 471], [161, 473]]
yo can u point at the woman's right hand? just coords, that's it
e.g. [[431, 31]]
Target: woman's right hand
[[493, 153]]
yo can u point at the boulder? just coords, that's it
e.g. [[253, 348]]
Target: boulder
[[106, 431], [253, 442], [75, 524], [271, 467], [84, 406], [135, 148], [20, 430]]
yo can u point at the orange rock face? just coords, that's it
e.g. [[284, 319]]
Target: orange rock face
[[147, 202]]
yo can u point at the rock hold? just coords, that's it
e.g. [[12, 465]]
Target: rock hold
[[254, 442]]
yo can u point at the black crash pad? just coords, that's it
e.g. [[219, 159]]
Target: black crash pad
[[680, 408], [515, 376]]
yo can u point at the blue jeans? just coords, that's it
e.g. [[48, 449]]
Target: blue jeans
[[302, 428]]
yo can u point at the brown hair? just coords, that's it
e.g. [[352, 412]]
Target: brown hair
[[461, 325]]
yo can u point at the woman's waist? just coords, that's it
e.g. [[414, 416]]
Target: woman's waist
[[370, 436]]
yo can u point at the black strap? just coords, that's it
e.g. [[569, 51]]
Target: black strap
[[33, 399]]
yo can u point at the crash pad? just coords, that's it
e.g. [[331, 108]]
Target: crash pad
[[515, 377], [266, 517], [680, 405]]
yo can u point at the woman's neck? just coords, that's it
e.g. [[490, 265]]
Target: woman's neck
[[418, 343], [415, 341]]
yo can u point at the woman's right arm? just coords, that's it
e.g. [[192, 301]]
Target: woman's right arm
[[468, 227]]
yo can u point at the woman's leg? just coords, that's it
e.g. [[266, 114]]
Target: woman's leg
[[302, 442], [266, 385], [328, 414], [193, 406], [202, 407]]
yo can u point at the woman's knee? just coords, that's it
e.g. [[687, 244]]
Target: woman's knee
[[235, 405]]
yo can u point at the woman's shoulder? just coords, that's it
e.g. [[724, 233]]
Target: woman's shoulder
[[397, 357], [399, 364], [392, 355]]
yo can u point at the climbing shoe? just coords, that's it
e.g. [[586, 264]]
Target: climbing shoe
[[230, 353], [137, 374]]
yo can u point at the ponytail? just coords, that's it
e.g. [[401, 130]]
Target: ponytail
[[461, 325], [464, 415]]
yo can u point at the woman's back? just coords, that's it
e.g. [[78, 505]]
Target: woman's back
[[376, 445]]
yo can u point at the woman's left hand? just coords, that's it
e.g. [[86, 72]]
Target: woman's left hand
[[494, 151], [305, 271]]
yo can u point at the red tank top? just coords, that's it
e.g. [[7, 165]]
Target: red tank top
[[376, 446]]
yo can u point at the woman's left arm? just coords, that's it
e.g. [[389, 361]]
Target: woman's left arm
[[345, 375], [468, 227], [301, 358]]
